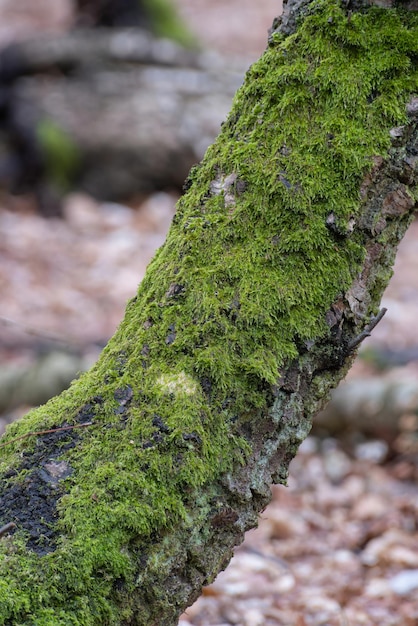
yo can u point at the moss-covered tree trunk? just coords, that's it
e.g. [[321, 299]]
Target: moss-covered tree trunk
[[122, 497]]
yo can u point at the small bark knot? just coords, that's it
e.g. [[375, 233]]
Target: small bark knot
[[412, 107], [335, 314], [224, 518], [397, 202]]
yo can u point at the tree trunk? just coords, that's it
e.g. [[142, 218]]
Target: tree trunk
[[127, 493]]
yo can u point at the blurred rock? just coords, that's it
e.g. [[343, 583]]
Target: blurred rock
[[404, 582], [374, 451], [394, 547], [337, 465], [370, 506]]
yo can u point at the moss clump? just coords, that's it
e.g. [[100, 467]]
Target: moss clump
[[62, 157], [166, 23], [262, 244]]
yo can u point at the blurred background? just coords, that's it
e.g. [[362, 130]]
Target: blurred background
[[104, 107]]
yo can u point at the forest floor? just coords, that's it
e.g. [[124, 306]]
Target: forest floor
[[339, 545]]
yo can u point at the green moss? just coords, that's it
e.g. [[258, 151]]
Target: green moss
[[61, 154], [166, 22], [245, 277]]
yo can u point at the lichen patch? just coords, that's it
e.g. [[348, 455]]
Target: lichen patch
[[178, 384]]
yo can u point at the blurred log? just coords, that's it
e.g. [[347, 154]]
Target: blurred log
[[36, 383], [384, 358], [372, 406], [112, 112]]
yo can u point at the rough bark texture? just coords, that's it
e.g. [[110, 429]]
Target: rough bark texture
[[163, 454]]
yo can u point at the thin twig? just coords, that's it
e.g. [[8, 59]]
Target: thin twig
[[367, 331], [45, 432]]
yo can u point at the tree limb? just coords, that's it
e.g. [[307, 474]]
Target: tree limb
[[276, 259]]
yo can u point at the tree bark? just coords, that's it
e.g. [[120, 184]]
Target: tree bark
[[127, 493]]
